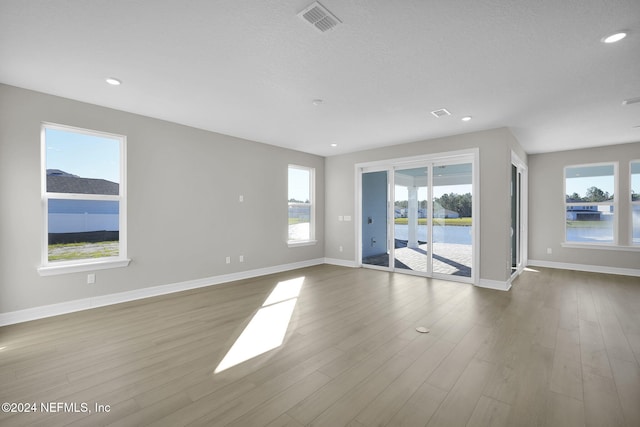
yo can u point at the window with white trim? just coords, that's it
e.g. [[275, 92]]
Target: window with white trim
[[590, 204], [634, 170], [83, 198], [301, 192]]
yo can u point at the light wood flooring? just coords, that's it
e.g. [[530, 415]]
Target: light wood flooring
[[562, 348]]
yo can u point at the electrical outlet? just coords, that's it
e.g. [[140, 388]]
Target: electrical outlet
[[91, 278], [347, 217], [549, 251], [241, 198], [241, 258], [228, 260], [340, 248]]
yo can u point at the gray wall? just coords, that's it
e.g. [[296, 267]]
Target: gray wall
[[546, 206], [495, 166], [184, 217]]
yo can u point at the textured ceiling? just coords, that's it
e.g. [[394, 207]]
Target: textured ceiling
[[251, 68]]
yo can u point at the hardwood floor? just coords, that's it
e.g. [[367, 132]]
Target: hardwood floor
[[562, 348]]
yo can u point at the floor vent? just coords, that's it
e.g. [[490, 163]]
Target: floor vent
[[318, 16]]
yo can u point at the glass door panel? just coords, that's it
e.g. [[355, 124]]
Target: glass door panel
[[452, 241], [375, 250], [410, 219], [515, 218]]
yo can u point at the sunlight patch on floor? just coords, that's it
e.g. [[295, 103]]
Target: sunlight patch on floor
[[267, 328]]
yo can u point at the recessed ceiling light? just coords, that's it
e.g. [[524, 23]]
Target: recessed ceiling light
[[113, 81], [334, 145], [466, 118], [317, 101], [614, 37]]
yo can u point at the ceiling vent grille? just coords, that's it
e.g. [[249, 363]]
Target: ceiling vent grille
[[318, 16], [631, 101], [441, 113]]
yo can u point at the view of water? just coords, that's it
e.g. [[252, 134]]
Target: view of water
[[596, 235], [593, 235], [462, 234], [441, 233]]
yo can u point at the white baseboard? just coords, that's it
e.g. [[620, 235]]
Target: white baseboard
[[41, 312], [341, 262], [495, 284], [585, 267]]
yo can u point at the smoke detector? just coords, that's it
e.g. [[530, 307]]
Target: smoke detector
[[318, 16]]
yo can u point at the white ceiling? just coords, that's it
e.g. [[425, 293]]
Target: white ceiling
[[251, 68]]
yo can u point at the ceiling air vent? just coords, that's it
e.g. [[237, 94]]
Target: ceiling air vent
[[441, 113], [318, 16], [631, 101]]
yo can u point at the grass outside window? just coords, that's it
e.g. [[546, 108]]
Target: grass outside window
[[83, 250]]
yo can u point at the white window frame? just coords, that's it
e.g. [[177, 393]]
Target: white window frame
[[614, 203], [48, 268], [312, 211], [632, 204]]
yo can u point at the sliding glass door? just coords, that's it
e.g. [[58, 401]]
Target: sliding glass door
[[410, 215], [375, 229], [418, 217], [453, 219]]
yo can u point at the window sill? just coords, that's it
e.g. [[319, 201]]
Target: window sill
[[610, 247], [55, 269], [296, 243]]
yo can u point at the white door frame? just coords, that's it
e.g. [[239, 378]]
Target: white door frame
[[523, 209]]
